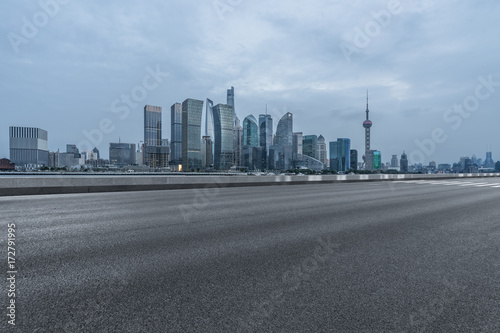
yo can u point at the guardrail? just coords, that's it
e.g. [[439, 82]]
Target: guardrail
[[33, 185]]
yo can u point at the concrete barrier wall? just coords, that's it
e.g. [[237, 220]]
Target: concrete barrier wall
[[31, 185]]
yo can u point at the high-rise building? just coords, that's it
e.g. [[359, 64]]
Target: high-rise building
[[297, 146], [237, 142], [284, 140], [223, 131], [164, 153], [71, 148], [28, 147], [139, 160], [265, 137], [284, 130], [237, 130], [250, 140], [258, 158], [321, 149], [488, 162], [230, 101], [209, 119], [192, 111], [354, 159], [334, 159], [310, 146], [122, 154], [176, 135], [340, 154], [250, 131], [403, 163], [206, 152], [152, 135], [96, 153], [394, 161], [377, 160]]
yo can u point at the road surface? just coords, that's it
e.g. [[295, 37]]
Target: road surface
[[406, 256]]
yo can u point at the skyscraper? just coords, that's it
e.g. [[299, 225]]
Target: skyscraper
[[321, 151], [284, 130], [394, 161], [152, 135], [96, 153], [250, 131], [230, 101], [334, 159], [192, 111], [237, 142], [28, 147], [297, 145], [250, 140], [354, 159], [340, 154], [403, 163], [176, 135], [206, 152], [209, 119], [223, 130], [265, 136], [310, 146], [377, 160], [488, 162], [284, 140]]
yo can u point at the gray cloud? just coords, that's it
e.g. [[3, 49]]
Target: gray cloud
[[285, 54]]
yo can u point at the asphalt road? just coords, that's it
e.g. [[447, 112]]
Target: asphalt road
[[354, 257]]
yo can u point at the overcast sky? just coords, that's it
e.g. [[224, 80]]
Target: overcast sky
[[69, 68]]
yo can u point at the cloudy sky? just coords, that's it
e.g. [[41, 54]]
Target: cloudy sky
[[83, 70]]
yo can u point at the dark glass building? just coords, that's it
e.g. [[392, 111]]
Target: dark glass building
[[310, 146], [250, 132], [176, 134], [122, 154], [223, 131], [192, 110], [265, 136], [284, 140], [340, 154], [354, 159], [403, 163], [152, 135]]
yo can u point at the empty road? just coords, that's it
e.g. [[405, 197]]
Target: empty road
[[414, 256]]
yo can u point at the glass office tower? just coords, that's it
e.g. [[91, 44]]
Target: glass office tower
[[310, 146], [284, 140], [340, 153], [223, 131], [176, 134], [265, 136], [250, 132], [209, 119], [152, 135], [192, 111]]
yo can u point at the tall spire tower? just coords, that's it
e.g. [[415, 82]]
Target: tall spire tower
[[367, 124]]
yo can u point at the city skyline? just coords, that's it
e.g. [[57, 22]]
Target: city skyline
[[308, 60]]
